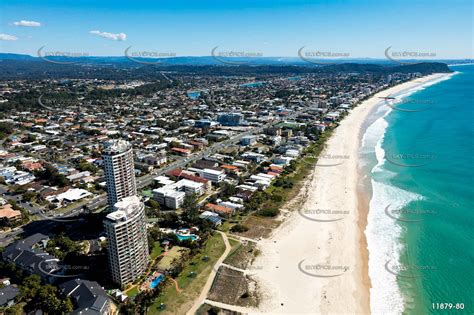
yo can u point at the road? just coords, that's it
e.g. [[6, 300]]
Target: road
[[210, 280], [101, 200], [18, 199], [144, 181]]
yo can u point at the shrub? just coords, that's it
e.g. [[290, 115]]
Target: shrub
[[268, 212], [239, 228]]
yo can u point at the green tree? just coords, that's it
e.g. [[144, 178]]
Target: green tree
[[62, 246], [29, 195], [48, 300], [227, 189], [30, 287], [190, 209]]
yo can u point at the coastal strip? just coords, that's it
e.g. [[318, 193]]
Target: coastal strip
[[317, 259], [383, 234]]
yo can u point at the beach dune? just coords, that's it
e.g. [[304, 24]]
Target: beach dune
[[316, 261]]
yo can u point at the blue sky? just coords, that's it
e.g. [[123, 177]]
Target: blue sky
[[268, 27]]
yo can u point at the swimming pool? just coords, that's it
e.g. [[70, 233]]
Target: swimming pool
[[186, 237], [156, 281], [194, 94]]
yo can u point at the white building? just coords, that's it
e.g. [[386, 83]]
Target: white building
[[14, 177], [256, 157], [282, 160], [190, 187], [169, 197], [71, 195], [119, 171], [173, 194], [248, 140], [127, 243], [232, 205], [213, 175]]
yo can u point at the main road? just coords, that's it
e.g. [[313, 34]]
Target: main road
[[101, 200], [143, 181]]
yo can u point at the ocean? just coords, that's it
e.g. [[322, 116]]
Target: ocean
[[417, 152]]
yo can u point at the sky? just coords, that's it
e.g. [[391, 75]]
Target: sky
[[269, 28]]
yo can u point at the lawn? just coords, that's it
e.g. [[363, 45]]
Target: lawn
[[147, 193], [174, 253], [179, 303], [156, 251], [132, 292]]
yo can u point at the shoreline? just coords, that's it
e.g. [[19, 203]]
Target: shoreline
[[385, 292], [309, 266]]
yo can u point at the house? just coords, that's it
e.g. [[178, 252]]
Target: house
[[72, 195], [230, 169], [7, 213], [8, 295], [15, 177], [232, 205], [256, 157], [275, 168], [196, 145], [214, 218], [155, 160], [88, 297], [282, 160], [78, 176], [221, 210], [28, 255], [248, 140], [180, 174], [202, 164], [32, 166], [182, 152]]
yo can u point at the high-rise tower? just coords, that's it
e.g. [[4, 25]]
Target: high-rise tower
[[127, 245], [119, 171]]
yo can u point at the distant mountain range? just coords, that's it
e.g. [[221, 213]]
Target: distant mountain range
[[16, 66], [211, 60]]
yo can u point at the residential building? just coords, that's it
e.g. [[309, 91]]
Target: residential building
[[182, 152], [248, 140], [28, 255], [9, 214], [169, 197], [8, 295], [172, 194], [127, 243], [213, 175], [230, 119], [88, 297], [213, 217], [119, 171], [221, 210]]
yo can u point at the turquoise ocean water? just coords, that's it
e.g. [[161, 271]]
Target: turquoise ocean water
[[418, 153]]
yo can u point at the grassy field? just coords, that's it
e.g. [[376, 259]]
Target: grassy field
[[156, 251], [242, 256], [179, 303], [174, 253], [132, 292]]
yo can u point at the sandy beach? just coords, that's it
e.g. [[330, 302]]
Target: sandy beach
[[317, 260]]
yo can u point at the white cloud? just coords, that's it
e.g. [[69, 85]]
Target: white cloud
[[27, 23], [112, 36], [7, 37]]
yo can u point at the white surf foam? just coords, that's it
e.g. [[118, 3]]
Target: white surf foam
[[383, 235], [383, 232]]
